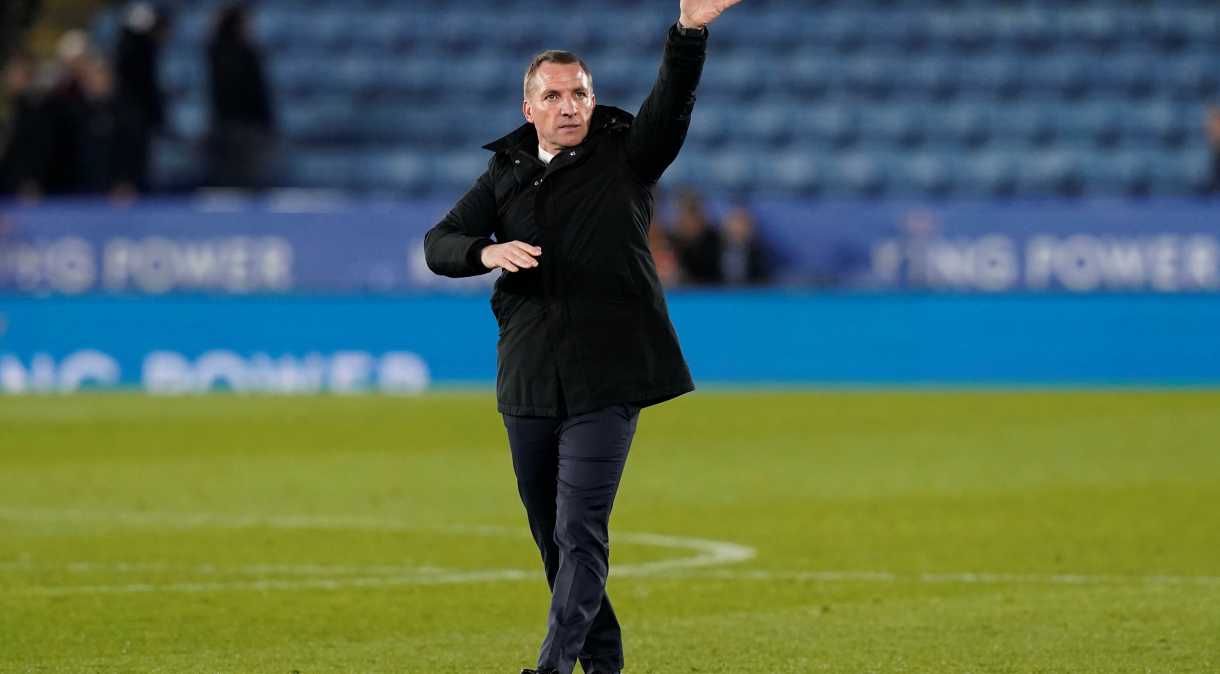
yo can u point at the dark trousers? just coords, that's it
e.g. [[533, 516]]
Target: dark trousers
[[568, 471]]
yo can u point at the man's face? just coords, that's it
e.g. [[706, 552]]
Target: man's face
[[560, 104]]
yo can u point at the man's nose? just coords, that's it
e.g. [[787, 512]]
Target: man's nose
[[567, 107]]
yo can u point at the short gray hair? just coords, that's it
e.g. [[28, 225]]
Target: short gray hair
[[552, 56]]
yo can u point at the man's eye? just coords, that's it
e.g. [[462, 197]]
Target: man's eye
[[551, 97], [582, 94]]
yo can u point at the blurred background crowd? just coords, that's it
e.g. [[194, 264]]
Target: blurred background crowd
[[84, 121]]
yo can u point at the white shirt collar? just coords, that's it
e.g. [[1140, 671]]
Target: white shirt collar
[[545, 156]]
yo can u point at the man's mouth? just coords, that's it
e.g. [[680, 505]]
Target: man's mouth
[[569, 126]]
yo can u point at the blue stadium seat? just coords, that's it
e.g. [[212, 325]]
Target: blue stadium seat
[[711, 125], [324, 121], [1031, 124], [860, 174], [829, 126], [873, 78], [1166, 124], [791, 173], [933, 77], [318, 168], [1051, 173], [734, 77], [399, 171], [734, 168], [769, 124], [960, 125], [988, 174], [928, 174], [1195, 77], [809, 72], [457, 170]]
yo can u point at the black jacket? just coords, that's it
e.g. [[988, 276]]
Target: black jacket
[[588, 327]]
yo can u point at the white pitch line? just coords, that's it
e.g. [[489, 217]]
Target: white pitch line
[[962, 578], [493, 575], [214, 569], [707, 553], [514, 575]]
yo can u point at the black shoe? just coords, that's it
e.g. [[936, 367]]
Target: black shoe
[[540, 671]]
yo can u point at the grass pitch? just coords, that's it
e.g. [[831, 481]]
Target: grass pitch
[[889, 532]]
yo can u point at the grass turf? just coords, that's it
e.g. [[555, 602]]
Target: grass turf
[[375, 534]]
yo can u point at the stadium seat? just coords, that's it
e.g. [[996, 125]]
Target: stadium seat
[[791, 173]]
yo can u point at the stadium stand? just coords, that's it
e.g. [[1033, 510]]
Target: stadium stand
[[815, 98]]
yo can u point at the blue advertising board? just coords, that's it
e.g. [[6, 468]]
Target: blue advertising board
[[305, 344], [279, 245]]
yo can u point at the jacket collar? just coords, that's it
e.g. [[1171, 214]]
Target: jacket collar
[[604, 117]]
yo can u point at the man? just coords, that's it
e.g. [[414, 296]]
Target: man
[[140, 102], [23, 143], [585, 337], [241, 142]]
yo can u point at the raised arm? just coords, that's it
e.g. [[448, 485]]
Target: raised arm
[[660, 126]]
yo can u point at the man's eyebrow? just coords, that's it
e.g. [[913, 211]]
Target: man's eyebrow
[[556, 91]]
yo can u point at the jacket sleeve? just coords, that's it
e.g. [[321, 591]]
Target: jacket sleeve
[[660, 126], [452, 247]]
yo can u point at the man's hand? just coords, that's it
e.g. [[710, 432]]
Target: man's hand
[[511, 256], [699, 13]]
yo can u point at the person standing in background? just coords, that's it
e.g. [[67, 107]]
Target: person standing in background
[[64, 113], [97, 137], [743, 258], [243, 121], [140, 104], [23, 142], [696, 242]]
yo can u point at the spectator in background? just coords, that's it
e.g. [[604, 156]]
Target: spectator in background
[[743, 258], [1213, 140], [80, 118], [696, 242], [243, 124], [663, 256], [64, 114], [97, 139], [22, 142], [140, 103]]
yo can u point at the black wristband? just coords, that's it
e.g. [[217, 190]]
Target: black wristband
[[701, 31]]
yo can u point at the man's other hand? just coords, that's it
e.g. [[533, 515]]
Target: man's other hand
[[699, 13], [511, 256]]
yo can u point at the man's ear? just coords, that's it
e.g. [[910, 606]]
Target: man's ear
[[527, 111]]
